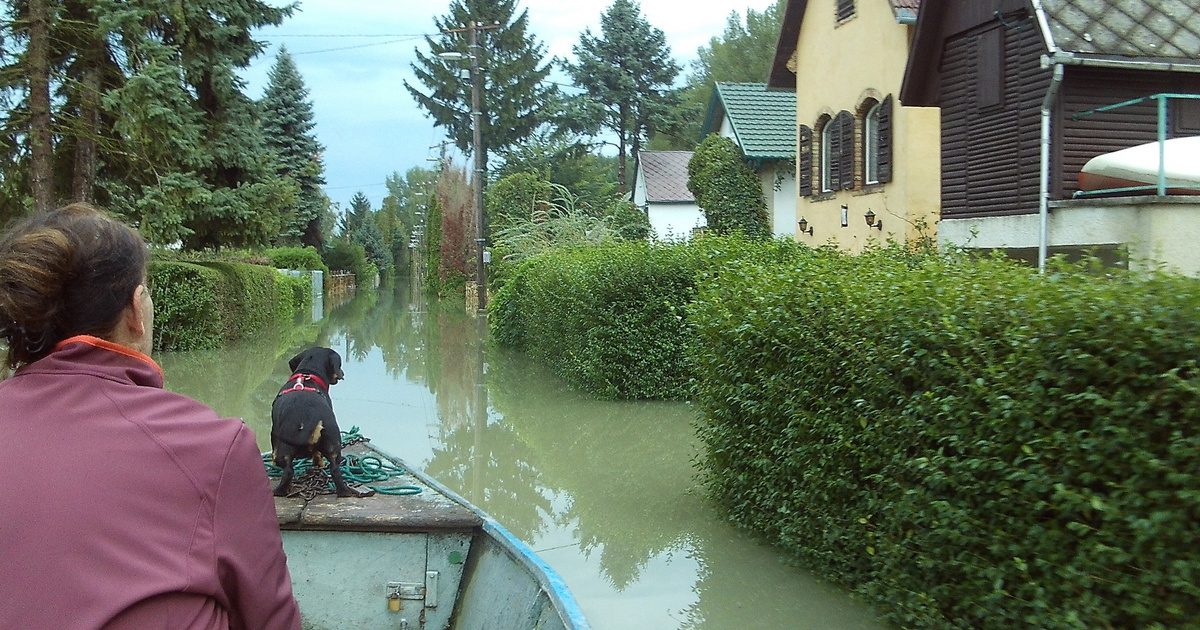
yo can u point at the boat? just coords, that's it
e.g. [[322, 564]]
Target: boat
[[415, 556], [1136, 169]]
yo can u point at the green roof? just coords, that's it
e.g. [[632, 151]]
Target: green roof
[[764, 121]]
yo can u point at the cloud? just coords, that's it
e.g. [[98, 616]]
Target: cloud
[[355, 55]]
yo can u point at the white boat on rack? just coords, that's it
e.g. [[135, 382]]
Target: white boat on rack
[[426, 561], [1137, 168]]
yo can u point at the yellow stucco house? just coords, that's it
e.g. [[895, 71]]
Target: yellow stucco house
[[861, 156]]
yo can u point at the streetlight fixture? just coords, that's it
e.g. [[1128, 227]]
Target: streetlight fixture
[[477, 148]]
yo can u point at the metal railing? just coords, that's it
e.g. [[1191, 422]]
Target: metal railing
[[1162, 98]]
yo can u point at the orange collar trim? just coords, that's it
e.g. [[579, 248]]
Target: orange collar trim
[[111, 347]]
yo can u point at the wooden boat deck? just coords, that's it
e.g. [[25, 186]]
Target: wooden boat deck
[[427, 511]]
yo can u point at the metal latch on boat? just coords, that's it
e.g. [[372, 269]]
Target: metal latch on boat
[[397, 591]]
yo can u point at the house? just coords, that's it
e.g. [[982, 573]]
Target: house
[[660, 190], [763, 123], [861, 155], [1019, 84]]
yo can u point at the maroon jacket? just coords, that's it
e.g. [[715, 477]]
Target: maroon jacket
[[123, 505]]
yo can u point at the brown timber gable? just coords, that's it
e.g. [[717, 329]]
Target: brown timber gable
[[990, 139]]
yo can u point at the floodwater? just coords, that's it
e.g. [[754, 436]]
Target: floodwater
[[605, 492]]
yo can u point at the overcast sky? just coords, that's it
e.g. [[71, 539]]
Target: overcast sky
[[354, 56]]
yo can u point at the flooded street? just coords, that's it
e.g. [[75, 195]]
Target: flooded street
[[604, 491]]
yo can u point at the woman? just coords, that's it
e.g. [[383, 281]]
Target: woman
[[124, 505]]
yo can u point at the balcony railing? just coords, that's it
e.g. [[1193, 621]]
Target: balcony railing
[[1162, 100]]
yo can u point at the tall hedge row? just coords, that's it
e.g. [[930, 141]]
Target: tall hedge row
[[968, 443], [610, 319], [208, 304]]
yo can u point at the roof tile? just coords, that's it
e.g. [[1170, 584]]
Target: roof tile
[[1161, 29], [764, 121], [666, 175]]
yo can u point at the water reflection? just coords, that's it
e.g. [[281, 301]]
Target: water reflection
[[603, 490]]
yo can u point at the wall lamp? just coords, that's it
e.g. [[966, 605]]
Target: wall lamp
[[871, 222], [804, 227]]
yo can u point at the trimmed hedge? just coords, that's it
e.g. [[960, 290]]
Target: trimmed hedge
[[968, 443], [297, 258], [208, 304], [610, 319]]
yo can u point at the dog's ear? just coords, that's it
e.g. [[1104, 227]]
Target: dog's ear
[[335, 366], [295, 362]]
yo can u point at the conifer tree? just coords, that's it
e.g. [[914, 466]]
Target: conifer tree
[[627, 72], [516, 98], [359, 226], [287, 121]]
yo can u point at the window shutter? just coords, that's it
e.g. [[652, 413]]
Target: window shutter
[[845, 163], [805, 162], [845, 9], [834, 159], [885, 140]]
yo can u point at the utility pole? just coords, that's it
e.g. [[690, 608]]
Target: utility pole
[[477, 146], [477, 143]]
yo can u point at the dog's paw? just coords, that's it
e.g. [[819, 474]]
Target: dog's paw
[[355, 493]]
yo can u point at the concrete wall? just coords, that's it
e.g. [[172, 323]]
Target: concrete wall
[[781, 203], [1156, 231], [834, 72]]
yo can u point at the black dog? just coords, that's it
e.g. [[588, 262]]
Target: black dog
[[302, 420]]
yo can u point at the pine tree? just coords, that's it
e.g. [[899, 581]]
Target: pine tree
[[359, 226], [516, 98], [287, 121], [627, 73], [202, 172]]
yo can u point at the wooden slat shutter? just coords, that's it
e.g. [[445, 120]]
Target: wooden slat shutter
[[845, 9], [885, 140], [845, 163], [805, 162], [834, 159]]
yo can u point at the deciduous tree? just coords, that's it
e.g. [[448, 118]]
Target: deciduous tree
[[741, 54]]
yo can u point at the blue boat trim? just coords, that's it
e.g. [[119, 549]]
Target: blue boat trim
[[549, 579]]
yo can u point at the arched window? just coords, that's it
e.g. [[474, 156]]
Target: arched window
[[871, 145]]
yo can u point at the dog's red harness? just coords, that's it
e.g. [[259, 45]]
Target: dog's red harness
[[299, 383]]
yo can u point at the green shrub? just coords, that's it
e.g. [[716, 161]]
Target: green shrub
[[297, 258], [969, 443], [208, 304], [345, 255], [295, 296], [609, 319], [517, 197], [727, 190], [185, 306]]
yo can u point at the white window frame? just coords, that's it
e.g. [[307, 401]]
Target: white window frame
[[871, 144]]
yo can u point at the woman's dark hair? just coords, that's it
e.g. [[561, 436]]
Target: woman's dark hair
[[65, 272]]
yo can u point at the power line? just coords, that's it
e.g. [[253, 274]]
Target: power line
[[325, 50], [362, 35]]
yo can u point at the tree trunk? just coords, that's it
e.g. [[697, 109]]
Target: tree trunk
[[84, 180], [624, 129], [40, 138]]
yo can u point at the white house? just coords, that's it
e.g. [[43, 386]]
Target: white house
[[660, 189]]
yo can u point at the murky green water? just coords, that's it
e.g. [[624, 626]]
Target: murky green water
[[604, 491]]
